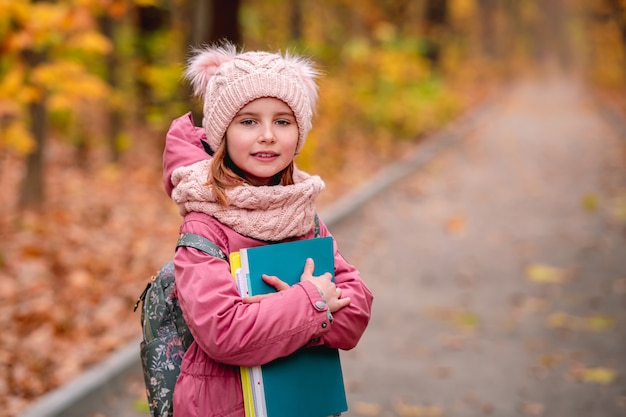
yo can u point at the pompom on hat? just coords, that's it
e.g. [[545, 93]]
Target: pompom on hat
[[228, 80]]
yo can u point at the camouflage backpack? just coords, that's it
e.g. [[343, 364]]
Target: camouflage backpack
[[166, 336]]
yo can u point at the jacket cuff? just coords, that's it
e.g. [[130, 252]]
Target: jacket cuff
[[319, 304]]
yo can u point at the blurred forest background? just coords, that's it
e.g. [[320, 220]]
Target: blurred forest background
[[88, 89]]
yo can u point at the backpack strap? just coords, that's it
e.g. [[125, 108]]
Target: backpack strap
[[317, 226], [201, 243], [195, 241], [190, 240]]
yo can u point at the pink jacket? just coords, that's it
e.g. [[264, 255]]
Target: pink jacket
[[228, 333]]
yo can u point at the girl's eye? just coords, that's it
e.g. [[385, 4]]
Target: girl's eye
[[282, 122], [247, 122]]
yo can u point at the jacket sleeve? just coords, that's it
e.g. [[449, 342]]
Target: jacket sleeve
[[350, 322], [235, 333]]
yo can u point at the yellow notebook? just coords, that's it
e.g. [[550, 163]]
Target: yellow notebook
[[246, 384]]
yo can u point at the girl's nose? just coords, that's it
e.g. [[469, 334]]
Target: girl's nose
[[267, 134]]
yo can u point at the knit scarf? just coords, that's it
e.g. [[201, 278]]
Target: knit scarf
[[270, 213]]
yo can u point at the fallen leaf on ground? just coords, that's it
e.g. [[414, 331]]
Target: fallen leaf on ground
[[455, 225], [367, 409], [618, 209], [590, 202], [545, 274], [600, 375], [416, 410], [534, 409], [596, 322]]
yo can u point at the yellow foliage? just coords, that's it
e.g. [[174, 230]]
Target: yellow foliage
[[11, 81], [41, 22], [145, 3], [67, 77], [90, 41], [45, 16], [462, 10], [28, 94], [60, 102], [16, 137], [164, 79], [16, 9]]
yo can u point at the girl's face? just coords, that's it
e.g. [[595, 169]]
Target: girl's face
[[261, 139]]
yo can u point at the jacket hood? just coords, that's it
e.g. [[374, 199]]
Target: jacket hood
[[183, 147]]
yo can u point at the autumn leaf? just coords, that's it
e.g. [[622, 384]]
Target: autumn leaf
[[618, 209], [597, 375], [561, 320], [367, 409], [467, 319], [549, 361], [596, 322], [455, 225], [600, 322], [141, 405], [456, 316], [590, 202], [545, 274], [417, 410], [533, 409]]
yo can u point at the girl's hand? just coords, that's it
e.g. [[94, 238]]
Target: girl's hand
[[326, 287], [270, 280]]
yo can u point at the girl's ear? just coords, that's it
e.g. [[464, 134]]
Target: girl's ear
[[204, 64]]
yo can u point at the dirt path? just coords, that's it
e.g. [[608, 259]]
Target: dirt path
[[499, 270]]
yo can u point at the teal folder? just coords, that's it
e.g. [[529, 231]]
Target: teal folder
[[309, 382]]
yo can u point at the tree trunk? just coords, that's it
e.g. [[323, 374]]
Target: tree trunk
[[618, 12], [295, 21], [149, 20], [436, 20], [225, 22], [32, 190], [212, 22], [486, 11], [114, 116]]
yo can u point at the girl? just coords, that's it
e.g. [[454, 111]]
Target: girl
[[257, 112]]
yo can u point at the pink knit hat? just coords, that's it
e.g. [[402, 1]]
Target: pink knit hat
[[228, 80]]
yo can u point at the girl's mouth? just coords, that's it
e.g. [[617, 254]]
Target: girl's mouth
[[264, 155]]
